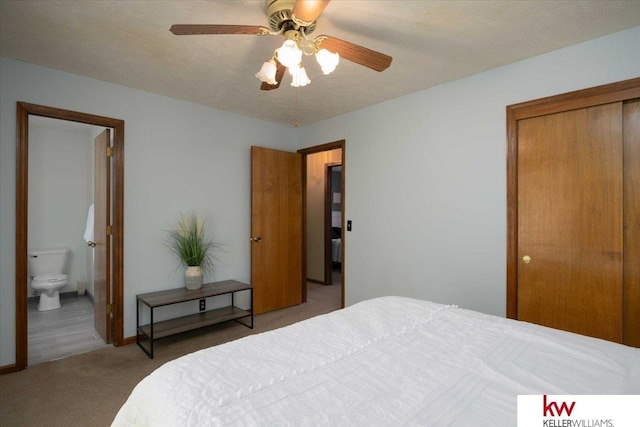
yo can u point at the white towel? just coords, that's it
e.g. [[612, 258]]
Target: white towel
[[88, 232]]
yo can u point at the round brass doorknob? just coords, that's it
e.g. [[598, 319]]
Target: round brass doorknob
[[526, 259], [257, 239]]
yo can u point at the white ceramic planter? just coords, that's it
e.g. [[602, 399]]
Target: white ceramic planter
[[193, 278]]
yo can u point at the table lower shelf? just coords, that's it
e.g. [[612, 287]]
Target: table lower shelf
[[194, 321]]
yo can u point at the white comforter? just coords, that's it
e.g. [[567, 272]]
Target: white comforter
[[385, 362]]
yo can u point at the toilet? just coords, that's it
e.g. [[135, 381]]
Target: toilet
[[47, 268]]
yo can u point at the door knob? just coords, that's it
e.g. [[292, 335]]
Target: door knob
[[257, 239], [526, 259], [92, 244]]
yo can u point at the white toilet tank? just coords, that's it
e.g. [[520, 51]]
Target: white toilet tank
[[48, 261]]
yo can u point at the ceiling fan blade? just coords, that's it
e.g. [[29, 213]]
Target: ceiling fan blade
[[355, 53], [194, 29], [309, 10], [280, 69]]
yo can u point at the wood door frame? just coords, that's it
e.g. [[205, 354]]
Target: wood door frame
[[24, 110], [328, 221], [305, 152], [614, 92]]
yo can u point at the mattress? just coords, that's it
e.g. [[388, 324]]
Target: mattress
[[388, 361]]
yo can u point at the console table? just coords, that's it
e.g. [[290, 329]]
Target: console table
[[153, 300]]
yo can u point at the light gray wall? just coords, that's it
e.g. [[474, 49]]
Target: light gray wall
[[426, 175], [179, 157]]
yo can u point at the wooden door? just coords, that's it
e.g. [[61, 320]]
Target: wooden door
[[102, 249], [631, 291], [570, 220], [276, 229]]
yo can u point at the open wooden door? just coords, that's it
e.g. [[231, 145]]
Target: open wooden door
[[102, 249], [276, 229]]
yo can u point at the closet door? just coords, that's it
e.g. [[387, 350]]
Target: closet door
[[631, 126], [570, 220]]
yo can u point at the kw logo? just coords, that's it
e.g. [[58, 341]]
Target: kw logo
[[548, 408]]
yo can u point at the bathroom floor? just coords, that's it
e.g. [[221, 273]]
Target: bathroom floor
[[61, 333]]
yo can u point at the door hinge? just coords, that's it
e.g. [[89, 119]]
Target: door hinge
[[110, 308], [109, 230], [109, 151]]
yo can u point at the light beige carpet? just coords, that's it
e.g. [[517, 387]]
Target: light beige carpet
[[88, 389]]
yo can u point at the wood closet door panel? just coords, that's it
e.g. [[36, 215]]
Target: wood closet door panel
[[632, 223], [569, 207]]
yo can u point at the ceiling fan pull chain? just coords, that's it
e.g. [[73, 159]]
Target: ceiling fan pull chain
[[295, 123]]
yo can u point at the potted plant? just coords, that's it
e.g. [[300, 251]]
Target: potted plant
[[194, 248]]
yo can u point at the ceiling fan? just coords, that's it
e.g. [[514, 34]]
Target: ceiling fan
[[295, 20]]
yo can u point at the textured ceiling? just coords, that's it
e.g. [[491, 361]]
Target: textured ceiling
[[431, 42]]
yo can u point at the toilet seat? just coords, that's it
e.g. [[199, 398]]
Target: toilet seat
[[46, 279]]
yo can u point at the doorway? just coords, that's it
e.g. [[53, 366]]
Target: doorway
[[61, 190], [115, 305], [321, 266]]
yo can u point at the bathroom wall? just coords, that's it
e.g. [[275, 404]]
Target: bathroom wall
[[58, 191]]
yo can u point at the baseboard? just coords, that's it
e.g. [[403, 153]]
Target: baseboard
[[319, 282], [89, 297], [129, 340], [8, 369]]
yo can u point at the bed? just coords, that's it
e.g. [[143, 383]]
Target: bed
[[388, 361]]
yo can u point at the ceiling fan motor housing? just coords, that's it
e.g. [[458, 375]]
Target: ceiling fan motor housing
[[281, 17]]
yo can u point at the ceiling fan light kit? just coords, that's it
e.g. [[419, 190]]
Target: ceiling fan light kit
[[295, 19], [299, 75], [267, 73], [328, 61], [289, 54]]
